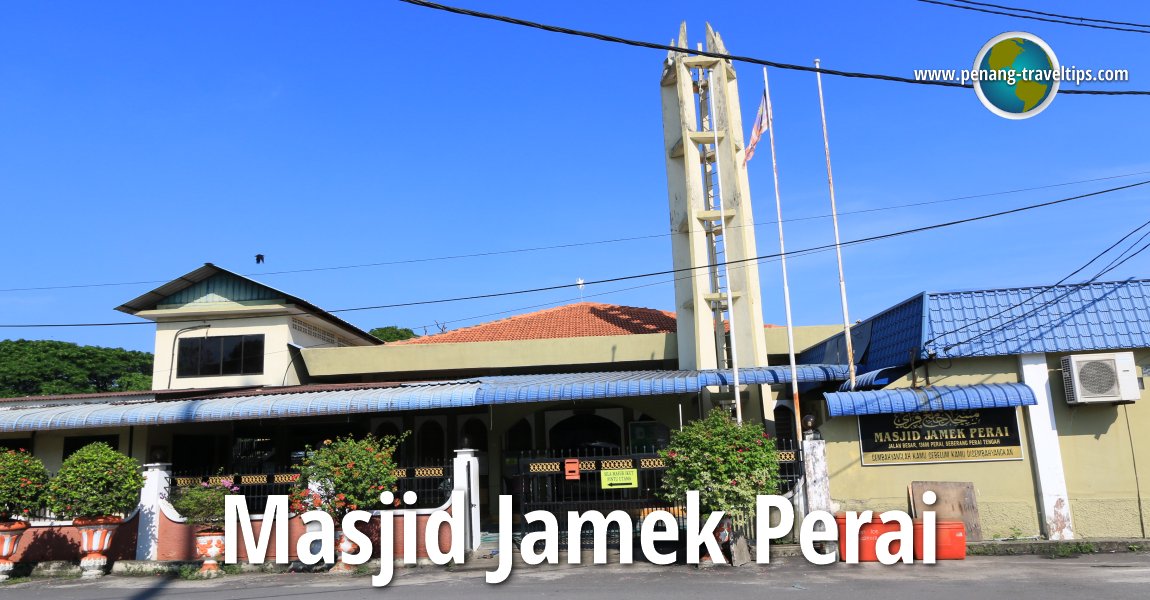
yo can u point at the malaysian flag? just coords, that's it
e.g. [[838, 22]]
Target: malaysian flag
[[757, 130]]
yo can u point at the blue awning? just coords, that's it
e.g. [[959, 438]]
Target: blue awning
[[930, 399], [306, 401], [623, 384]]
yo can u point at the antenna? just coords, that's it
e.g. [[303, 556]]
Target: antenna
[[579, 282]]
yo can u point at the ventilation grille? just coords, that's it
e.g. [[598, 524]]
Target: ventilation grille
[[1097, 378]]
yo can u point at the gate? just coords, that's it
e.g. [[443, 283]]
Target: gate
[[543, 482]]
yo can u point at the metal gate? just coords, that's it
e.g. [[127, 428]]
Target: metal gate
[[548, 481]]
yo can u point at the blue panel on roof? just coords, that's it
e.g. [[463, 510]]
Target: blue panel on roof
[[883, 340], [931, 399], [1067, 318]]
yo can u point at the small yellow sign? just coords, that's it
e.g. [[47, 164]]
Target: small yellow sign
[[619, 478]]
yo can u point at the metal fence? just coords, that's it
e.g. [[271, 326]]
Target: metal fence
[[431, 483], [547, 481]]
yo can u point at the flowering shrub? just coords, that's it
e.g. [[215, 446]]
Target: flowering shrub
[[22, 482], [96, 481], [203, 504], [345, 475], [727, 463]]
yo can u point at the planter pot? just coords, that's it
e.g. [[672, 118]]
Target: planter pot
[[209, 546], [95, 538], [10, 532], [343, 545]]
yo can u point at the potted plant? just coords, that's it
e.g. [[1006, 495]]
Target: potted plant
[[95, 487], [727, 463], [22, 482], [343, 475], [203, 507]]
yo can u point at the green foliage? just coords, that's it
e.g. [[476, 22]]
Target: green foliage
[[190, 572], [203, 504], [346, 474], [23, 479], [96, 481], [1070, 549], [392, 333], [728, 464], [42, 367]]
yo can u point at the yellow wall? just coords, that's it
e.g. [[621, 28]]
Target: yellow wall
[[1004, 490], [1099, 458], [400, 358]]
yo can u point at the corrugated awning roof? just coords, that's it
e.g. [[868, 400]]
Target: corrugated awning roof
[[390, 397], [930, 399]]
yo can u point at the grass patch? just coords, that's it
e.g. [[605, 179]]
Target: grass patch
[[1070, 549], [991, 550]]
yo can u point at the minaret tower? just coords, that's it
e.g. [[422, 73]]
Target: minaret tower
[[710, 207]]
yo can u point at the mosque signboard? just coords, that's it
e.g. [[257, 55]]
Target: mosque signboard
[[938, 437]]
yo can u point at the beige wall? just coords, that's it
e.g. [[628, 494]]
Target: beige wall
[[405, 358], [48, 446], [1099, 457], [1004, 489], [277, 335], [1109, 496]]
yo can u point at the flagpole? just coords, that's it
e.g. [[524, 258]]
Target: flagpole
[[835, 220], [726, 269], [783, 261]]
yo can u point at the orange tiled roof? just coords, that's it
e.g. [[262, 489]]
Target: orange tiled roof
[[583, 319]]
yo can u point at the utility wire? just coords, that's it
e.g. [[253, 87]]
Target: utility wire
[[488, 253], [731, 57], [1032, 18], [665, 272], [1046, 14], [1044, 289], [1071, 289]]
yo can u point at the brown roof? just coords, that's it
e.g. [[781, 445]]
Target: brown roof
[[584, 319]]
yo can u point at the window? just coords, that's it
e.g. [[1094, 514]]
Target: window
[[72, 444], [16, 444], [221, 355]]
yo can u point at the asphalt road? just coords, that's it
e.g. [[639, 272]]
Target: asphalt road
[[1091, 577]]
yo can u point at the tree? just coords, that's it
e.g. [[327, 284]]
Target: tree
[[43, 367], [727, 463], [393, 333]]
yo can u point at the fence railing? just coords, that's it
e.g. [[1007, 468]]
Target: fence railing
[[431, 483], [544, 483]]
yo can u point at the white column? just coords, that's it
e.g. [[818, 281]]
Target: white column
[[156, 476], [1045, 451], [465, 476]]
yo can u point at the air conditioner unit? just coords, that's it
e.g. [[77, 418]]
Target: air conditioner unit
[[1110, 378]]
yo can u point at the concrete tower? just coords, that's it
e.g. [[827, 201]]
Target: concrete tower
[[705, 173]]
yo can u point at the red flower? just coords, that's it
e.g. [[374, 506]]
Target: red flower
[[672, 454]]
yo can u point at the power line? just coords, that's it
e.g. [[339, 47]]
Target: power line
[[731, 57], [1034, 18], [1046, 14], [1072, 288], [511, 251], [1044, 289], [658, 273]]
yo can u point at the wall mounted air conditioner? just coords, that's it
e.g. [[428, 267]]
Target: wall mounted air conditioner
[[1110, 378]]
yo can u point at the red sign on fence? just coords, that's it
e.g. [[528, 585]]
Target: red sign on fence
[[571, 468]]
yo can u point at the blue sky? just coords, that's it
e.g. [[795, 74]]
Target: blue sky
[[140, 140]]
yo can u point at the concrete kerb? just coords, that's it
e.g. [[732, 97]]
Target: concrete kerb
[[486, 558]]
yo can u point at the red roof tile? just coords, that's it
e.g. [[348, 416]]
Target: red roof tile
[[573, 320]]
